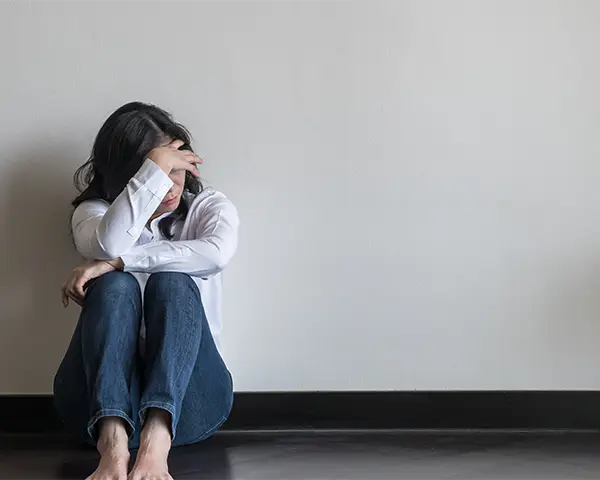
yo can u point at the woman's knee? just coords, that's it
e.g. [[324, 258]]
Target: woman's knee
[[121, 283], [170, 283]]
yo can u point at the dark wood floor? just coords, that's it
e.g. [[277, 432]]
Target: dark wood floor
[[335, 455]]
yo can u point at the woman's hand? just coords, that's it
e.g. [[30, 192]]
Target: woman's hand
[[170, 158], [74, 287]]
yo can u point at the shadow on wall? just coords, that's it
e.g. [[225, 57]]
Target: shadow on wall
[[36, 254]]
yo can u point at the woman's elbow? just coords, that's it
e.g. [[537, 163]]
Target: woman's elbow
[[220, 264], [223, 257], [91, 250]]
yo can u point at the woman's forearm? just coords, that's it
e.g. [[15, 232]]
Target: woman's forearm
[[106, 232]]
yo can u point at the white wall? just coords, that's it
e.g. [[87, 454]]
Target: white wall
[[419, 182]]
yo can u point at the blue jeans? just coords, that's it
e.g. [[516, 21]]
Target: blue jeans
[[181, 371]]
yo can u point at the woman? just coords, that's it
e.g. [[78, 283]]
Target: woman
[[143, 369]]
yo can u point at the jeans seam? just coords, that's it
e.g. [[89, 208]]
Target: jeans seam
[[209, 431], [191, 309]]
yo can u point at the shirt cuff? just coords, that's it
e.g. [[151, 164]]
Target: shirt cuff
[[130, 260], [154, 179]]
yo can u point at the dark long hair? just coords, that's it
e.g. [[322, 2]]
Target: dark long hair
[[120, 149]]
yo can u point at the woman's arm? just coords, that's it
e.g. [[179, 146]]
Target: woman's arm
[[214, 222], [104, 232]]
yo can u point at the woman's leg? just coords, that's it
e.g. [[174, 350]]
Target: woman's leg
[[209, 397], [187, 388], [95, 387]]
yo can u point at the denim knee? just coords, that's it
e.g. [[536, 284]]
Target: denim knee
[[114, 282], [170, 282]]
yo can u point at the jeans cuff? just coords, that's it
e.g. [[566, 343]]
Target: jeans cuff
[[162, 406], [109, 412]]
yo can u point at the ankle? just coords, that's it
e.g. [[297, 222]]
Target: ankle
[[113, 438], [156, 434], [155, 439]]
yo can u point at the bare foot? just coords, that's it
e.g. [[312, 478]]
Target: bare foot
[[155, 443], [114, 454]]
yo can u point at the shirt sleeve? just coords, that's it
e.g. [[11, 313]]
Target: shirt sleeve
[[104, 232], [214, 223]]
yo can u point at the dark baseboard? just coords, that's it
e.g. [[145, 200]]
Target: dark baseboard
[[365, 410]]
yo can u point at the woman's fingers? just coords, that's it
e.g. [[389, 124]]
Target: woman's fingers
[[78, 287], [188, 163], [197, 159], [192, 157], [75, 296], [73, 289], [188, 153], [191, 167], [176, 144], [70, 294]]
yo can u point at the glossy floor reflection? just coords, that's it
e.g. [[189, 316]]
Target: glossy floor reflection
[[336, 455]]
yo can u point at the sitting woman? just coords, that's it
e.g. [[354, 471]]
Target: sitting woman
[[143, 370]]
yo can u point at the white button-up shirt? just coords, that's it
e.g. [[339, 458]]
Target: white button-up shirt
[[201, 247]]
